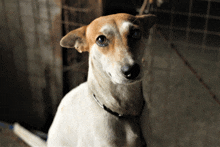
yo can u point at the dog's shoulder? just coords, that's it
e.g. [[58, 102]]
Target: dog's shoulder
[[75, 94], [68, 109], [79, 90]]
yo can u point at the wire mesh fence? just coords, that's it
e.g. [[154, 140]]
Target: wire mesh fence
[[194, 22]]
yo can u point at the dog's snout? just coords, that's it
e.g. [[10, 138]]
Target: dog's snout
[[131, 72]]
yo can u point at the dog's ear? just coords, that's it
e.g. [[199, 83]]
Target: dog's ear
[[76, 39], [147, 21]]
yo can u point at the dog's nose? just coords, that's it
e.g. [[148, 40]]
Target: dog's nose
[[131, 72]]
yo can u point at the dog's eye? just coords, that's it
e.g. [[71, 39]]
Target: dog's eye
[[102, 41], [136, 34]]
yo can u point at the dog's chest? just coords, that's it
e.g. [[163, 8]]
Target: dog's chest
[[100, 128], [108, 130]]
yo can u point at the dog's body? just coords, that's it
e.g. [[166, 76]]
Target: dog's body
[[105, 110]]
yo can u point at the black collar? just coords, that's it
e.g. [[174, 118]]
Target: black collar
[[112, 112]]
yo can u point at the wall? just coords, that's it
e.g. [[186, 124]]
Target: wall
[[31, 61]]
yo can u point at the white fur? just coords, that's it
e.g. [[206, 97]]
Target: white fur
[[108, 30], [125, 27]]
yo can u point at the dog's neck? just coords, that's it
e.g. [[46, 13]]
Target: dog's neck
[[120, 98]]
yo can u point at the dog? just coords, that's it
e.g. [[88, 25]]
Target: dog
[[105, 111]]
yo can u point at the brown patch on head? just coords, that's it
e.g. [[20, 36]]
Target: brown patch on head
[[110, 27]]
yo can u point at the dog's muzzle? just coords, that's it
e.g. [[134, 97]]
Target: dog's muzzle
[[131, 71]]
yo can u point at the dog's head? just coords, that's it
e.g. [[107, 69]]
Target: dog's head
[[115, 42]]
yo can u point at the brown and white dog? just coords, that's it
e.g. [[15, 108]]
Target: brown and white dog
[[105, 111]]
